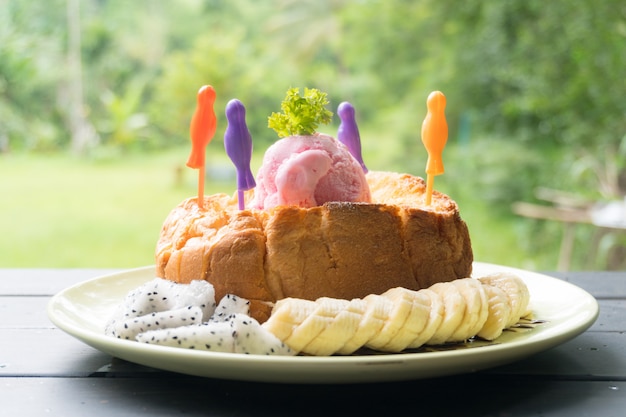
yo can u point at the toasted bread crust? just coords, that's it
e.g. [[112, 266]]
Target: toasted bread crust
[[339, 250]]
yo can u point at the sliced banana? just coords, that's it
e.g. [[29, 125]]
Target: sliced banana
[[499, 313], [310, 328], [435, 317], [376, 313], [476, 309], [346, 316], [415, 321], [454, 311], [401, 318], [398, 315], [515, 289], [287, 315]]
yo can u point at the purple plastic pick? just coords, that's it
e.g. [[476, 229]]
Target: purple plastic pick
[[238, 144], [348, 132]]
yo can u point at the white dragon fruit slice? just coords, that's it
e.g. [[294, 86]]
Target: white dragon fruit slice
[[154, 295], [235, 333], [127, 329], [160, 295], [197, 293], [230, 304], [169, 314], [213, 336], [252, 338]]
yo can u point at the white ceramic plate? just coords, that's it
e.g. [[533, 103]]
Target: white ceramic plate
[[567, 310]]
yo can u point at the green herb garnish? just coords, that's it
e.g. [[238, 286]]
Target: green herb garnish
[[301, 114]]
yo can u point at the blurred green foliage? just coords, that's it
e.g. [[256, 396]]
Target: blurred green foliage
[[543, 74], [535, 89]]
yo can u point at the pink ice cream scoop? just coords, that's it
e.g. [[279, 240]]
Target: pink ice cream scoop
[[309, 171]]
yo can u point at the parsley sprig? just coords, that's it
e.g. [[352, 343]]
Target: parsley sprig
[[301, 114]]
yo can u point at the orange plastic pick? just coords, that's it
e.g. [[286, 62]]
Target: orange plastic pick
[[202, 128], [434, 137]]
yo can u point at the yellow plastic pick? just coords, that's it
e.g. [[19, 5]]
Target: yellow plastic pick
[[434, 138]]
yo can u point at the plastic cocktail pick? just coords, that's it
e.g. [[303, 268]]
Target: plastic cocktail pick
[[238, 144], [202, 128], [348, 132], [434, 137]]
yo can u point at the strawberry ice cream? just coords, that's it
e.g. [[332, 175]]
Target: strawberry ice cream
[[309, 171]]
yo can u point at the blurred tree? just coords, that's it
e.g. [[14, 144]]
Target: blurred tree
[[234, 53], [123, 123], [83, 135], [30, 54], [549, 74], [546, 75]]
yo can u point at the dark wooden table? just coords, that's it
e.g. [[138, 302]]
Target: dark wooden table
[[45, 372]]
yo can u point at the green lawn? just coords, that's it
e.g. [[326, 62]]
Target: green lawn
[[60, 211]]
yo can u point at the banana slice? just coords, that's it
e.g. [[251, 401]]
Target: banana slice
[[400, 311], [435, 317], [476, 309], [287, 315], [499, 313], [401, 318], [346, 316], [415, 322], [310, 328], [454, 311], [515, 289], [377, 311]]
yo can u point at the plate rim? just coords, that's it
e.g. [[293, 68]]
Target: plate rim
[[354, 367]]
